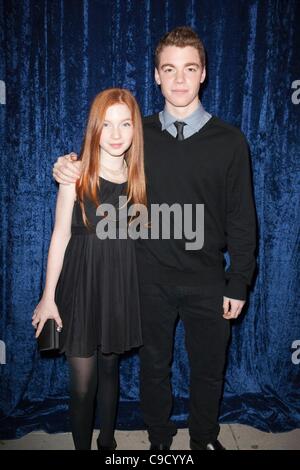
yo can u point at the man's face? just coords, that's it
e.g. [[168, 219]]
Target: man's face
[[180, 74]]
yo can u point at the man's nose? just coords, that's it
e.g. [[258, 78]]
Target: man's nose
[[179, 76]]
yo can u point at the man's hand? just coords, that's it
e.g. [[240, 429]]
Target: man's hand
[[67, 170], [232, 308]]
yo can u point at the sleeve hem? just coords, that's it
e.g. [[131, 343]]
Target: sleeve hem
[[235, 289]]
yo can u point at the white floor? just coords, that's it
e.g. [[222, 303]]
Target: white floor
[[232, 436]]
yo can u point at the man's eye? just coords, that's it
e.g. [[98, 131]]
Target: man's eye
[[168, 70], [191, 69]]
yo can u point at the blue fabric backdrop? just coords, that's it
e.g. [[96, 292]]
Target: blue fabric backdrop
[[55, 56]]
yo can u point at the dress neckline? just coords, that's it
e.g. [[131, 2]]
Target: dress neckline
[[112, 182]]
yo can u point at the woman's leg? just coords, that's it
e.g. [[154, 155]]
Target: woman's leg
[[83, 389], [108, 395]]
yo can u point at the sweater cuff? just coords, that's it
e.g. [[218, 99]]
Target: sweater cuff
[[236, 289]]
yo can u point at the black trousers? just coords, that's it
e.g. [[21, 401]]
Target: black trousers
[[206, 338]]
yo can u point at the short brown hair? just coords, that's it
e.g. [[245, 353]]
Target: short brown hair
[[182, 36]]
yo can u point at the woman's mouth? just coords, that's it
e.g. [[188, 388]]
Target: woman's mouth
[[116, 146]]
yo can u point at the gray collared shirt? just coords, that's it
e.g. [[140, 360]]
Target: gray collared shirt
[[194, 121]]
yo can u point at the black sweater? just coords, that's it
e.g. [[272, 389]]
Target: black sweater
[[212, 168]]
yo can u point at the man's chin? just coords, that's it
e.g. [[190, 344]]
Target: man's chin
[[180, 104], [180, 101]]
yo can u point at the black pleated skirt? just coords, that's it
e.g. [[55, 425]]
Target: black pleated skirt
[[98, 296]]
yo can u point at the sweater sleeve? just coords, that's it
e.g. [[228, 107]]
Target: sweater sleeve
[[240, 224]]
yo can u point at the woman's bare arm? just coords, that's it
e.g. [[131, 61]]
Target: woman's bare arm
[[59, 240]]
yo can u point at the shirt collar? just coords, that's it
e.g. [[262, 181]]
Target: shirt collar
[[193, 120]]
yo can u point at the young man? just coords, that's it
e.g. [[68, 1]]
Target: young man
[[191, 158]]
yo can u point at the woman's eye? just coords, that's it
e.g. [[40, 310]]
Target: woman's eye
[[105, 124], [127, 124]]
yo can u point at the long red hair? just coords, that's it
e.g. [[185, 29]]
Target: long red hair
[[87, 186]]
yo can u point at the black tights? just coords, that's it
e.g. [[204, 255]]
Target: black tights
[[87, 374]]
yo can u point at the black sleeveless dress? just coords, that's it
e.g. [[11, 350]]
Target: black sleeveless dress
[[97, 294]]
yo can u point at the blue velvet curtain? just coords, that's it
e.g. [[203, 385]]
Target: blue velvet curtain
[[55, 56]]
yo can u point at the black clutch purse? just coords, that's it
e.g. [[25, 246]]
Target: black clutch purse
[[48, 339]]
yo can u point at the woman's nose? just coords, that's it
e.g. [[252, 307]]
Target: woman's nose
[[116, 133]]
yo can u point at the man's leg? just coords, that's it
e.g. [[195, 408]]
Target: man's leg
[[207, 335], [159, 313]]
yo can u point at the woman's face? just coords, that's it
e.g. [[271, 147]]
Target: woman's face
[[117, 131]]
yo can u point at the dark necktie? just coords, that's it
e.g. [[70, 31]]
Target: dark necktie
[[179, 126]]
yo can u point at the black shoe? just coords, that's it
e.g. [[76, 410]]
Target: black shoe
[[160, 447], [112, 447], [210, 446]]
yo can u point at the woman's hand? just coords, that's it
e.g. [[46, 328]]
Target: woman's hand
[[45, 309]]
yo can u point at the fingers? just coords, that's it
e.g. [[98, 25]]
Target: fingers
[[73, 156], [39, 319], [58, 322], [232, 308], [70, 162], [65, 174], [35, 319], [40, 327], [67, 170], [36, 322], [225, 305], [232, 314], [41, 323]]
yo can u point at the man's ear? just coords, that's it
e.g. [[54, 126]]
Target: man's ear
[[203, 75], [156, 75]]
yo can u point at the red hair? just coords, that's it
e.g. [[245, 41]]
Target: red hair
[[88, 184]]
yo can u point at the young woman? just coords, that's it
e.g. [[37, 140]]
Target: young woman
[[91, 285]]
